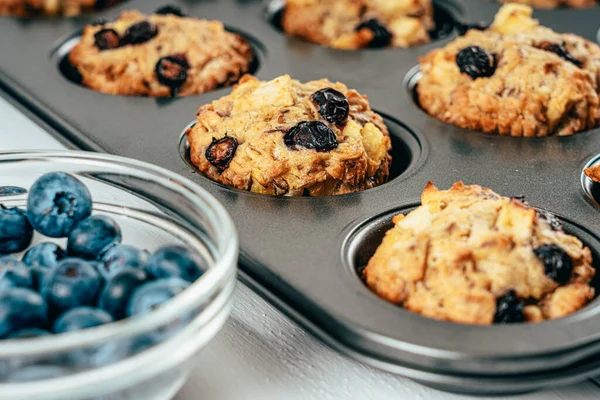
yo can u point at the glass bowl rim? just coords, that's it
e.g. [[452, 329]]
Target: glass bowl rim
[[198, 291]]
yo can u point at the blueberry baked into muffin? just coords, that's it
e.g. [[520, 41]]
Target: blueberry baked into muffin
[[284, 137], [164, 54], [354, 24], [556, 3], [514, 78], [469, 255], [28, 8]]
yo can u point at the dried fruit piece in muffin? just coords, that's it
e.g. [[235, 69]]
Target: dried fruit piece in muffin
[[355, 24], [274, 138], [476, 62], [170, 9], [106, 39], [159, 55], [333, 105], [311, 135], [528, 80], [469, 255], [29, 8]]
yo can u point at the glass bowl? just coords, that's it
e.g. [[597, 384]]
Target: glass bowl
[[147, 356]]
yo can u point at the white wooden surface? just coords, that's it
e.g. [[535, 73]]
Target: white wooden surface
[[261, 354]]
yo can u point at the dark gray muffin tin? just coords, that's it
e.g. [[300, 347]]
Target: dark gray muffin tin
[[305, 254]]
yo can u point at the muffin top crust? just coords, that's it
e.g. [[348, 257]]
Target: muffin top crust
[[284, 137], [515, 78], [354, 24], [159, 55], [469, 255]]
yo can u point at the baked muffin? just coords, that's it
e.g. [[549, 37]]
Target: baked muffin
[[593, 173], [284, 137], [354, 24], [28, 8], [515, 78], [471, 256], [159, 55], [556, 3]]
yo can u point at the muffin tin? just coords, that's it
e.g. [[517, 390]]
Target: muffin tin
[[304, 254]]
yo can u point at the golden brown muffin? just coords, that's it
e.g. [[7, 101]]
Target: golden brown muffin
[[159, 55], [469, 255], [515, 78], [593, 173], [555, 3], [28, 8], [284, 137], [354, 24]]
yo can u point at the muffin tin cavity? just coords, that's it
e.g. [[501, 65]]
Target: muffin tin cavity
[[60, 55], [406, 149], [444, 16], [362, 242], [411, 81]]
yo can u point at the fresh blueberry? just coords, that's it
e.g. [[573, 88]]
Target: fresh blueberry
[[150, 296], [84, 318], [81, 318], [57, 202], [38, 274], [15, 230], [44, 254], [6, 191], [93, 236], [121, 256], [34, 373], [41, 258], [13, 273], [72, 283], [28, 333], [118, 290], [21, 308], [175, 261]]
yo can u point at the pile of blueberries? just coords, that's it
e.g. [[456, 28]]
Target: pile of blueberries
[[94, 281]]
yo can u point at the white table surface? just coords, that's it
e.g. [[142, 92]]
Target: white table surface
[[261, 354]]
